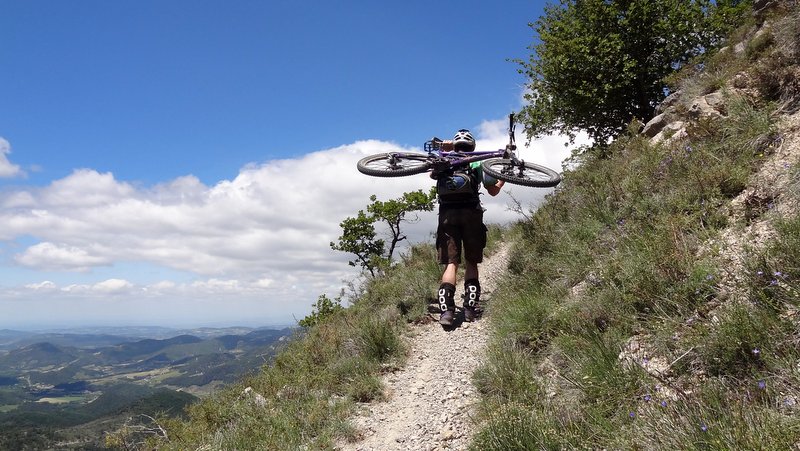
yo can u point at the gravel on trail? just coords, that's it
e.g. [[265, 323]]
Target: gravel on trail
[[430, 401]]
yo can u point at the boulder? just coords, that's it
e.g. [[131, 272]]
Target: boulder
[[669, 101], [702, 106], [674, 131], [655, 125], [762, 7]]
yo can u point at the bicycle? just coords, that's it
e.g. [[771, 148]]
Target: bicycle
[[501, 164]]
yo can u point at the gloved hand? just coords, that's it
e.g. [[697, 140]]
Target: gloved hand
[[439, 167], [433, 144]]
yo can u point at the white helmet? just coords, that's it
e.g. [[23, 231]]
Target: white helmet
[[463, 141]]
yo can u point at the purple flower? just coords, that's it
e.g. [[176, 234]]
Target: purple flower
[[663, 404], [773, 282], [777, 274], [703, 427], [647, 398], [762, 385], [760, 273], [632, 414]]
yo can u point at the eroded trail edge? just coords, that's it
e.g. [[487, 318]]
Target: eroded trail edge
[[430, 401]]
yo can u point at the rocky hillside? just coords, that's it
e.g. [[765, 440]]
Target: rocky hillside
[[661, 306]]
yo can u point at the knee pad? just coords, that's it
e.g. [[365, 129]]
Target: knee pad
[[472, 293], [447, 292]]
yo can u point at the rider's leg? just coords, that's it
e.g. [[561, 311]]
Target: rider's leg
[[472, 291], [450, 271], [447, 302], [448, 244], [470, 270]]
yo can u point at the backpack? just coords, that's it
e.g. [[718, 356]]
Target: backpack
[[460, 187]]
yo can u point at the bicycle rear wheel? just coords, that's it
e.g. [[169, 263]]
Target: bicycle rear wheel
[[527, 174], [393, 164]]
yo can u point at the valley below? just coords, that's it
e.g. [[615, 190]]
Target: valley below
[[66, 389]]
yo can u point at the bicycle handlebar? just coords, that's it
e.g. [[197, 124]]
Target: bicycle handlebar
[[439, 144]]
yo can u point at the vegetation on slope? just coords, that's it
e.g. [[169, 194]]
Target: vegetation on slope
[[307, 394], [623, 329]]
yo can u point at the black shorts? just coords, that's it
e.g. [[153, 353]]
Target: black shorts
[[460, 228]]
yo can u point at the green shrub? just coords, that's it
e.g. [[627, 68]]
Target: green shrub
[[733, 346]]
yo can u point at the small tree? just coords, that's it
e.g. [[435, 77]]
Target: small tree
[[394, 211], [359, 236], [322, 309]]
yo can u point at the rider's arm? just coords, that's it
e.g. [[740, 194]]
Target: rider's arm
[[447, 145], [492, 185], [494, 190]]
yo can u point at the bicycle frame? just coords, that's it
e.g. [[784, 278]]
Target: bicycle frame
[[461, 158]]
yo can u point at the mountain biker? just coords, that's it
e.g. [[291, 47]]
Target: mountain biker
[[461, 227]]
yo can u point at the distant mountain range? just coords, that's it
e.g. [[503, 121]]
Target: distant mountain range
[[90, 337], [71, 379]]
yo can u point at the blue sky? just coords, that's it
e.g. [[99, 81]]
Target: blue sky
[[187, 162]]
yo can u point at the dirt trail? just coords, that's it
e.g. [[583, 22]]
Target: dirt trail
[[431, 400]]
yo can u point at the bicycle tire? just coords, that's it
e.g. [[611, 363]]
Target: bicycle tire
[[393, 164], [527, 174]]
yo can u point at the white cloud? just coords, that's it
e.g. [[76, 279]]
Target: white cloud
[[7, 169], [59, 257], [112, 286], [42, 286]]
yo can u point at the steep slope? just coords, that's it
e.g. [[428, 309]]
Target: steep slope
[[662, 311]]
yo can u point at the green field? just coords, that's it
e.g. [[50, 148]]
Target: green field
[[67, 399]]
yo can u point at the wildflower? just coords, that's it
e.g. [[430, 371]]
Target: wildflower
[[756, 351], [773, 282], [777, 274], [709, 277], [762, 385], [647, 398], [760, 273], [703, 427], [632, 414], [663, 404]]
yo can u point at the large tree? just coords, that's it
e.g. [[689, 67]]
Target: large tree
[[598, 64]]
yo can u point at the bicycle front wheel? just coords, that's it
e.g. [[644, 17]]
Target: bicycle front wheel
[[393, 164], [527, 174]]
